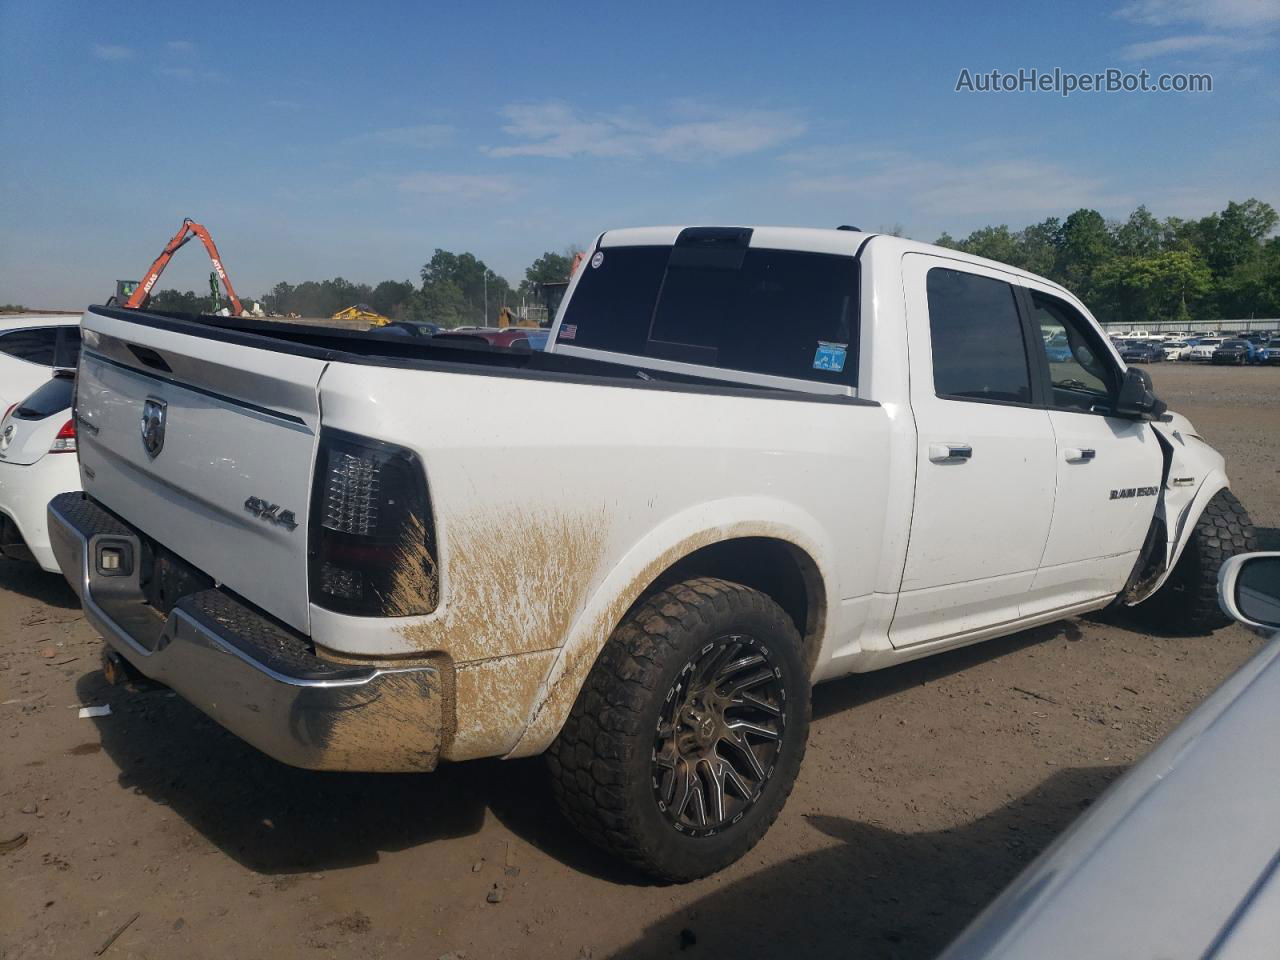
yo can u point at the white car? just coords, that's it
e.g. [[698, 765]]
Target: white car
[[764, 457], [1204, 349], [1176, 350], [31, 345], [1180, 858], [37, 462]]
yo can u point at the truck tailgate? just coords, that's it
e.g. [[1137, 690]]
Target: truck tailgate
[[238, 434]]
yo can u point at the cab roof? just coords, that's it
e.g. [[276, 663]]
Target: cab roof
[[812, 239]]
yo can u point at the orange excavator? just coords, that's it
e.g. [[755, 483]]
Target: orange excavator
[[135, 294]]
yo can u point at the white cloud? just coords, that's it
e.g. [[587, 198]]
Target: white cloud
[[934, 189], [458, 186], [112, 52], [1188, 43], [180, 46], [1213, 14], [1216, 26], [556, 129], [424, 136]]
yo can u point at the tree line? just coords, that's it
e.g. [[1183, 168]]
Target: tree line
[[1139, 271], [454, 289], [1144, 270]]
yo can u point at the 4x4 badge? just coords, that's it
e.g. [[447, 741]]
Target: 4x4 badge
[[271, 513]]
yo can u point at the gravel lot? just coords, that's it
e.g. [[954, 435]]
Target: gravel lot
[[926, 788]]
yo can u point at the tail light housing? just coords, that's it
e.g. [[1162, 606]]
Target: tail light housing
[[372, 539], [65, 441]]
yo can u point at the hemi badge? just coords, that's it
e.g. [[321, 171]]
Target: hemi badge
[[1182, 481]]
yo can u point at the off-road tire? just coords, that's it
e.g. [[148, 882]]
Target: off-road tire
[[601, 764], [1188, 601]]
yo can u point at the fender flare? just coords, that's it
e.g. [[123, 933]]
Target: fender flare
[[638, 568], [1183, 526]]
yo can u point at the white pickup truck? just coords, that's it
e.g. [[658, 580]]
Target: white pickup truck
[[749, 460]]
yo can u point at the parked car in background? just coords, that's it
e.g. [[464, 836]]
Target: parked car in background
[[1238, 352], [1141, 351], [408, 328], [35, 437], [1204, 349], [1270, 353], [1057, 348], [1177, 349], [31, 345], [516, 338], [1180, 858]]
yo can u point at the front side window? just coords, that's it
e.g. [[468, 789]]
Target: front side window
[[34, 346], [1079, 375], [781, 313], [978, 348]]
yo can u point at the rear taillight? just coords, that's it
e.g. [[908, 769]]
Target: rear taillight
[[372, 549], [65, 441]]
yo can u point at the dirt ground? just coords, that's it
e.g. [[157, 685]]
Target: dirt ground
[[926, 788]]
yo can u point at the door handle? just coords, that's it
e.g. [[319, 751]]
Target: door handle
[[1077, 455], [950, 452]]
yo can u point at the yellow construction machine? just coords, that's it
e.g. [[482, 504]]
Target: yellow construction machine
[[361, 313]]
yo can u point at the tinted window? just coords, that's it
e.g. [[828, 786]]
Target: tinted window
[[777, 312], [67, 351], [54, 396], [978, 348], [34, 346], [612, 306]]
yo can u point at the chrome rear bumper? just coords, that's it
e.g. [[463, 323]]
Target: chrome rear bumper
[[255, 677]]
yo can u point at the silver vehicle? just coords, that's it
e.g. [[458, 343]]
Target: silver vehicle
[[1181, 857]]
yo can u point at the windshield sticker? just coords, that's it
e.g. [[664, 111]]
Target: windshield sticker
[[830, 356], [568, 331], [597, 260]]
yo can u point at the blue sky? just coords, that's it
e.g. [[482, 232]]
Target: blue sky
[[321, 139]]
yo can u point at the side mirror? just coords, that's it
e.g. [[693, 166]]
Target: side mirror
[[1249, 589], [1137, 399]]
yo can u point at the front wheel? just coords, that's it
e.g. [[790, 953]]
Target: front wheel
[[1188, 600], [687, 736]]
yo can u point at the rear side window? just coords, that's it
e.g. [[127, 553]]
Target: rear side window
[[67, 349], [978, 348], [54, 396], [34, 346], [777, 312]]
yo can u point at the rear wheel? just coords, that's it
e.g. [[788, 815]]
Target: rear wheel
[[1188, 601], [685, 741]]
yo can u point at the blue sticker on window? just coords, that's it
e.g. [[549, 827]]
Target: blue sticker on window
[[830, 356]]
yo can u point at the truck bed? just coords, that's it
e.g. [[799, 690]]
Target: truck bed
[[376, 349]]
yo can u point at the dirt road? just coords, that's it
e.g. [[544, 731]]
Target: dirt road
[[926, 789]]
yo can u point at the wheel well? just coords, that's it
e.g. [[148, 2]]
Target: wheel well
[[774, 567]]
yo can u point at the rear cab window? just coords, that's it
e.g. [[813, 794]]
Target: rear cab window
[[712, 300]]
